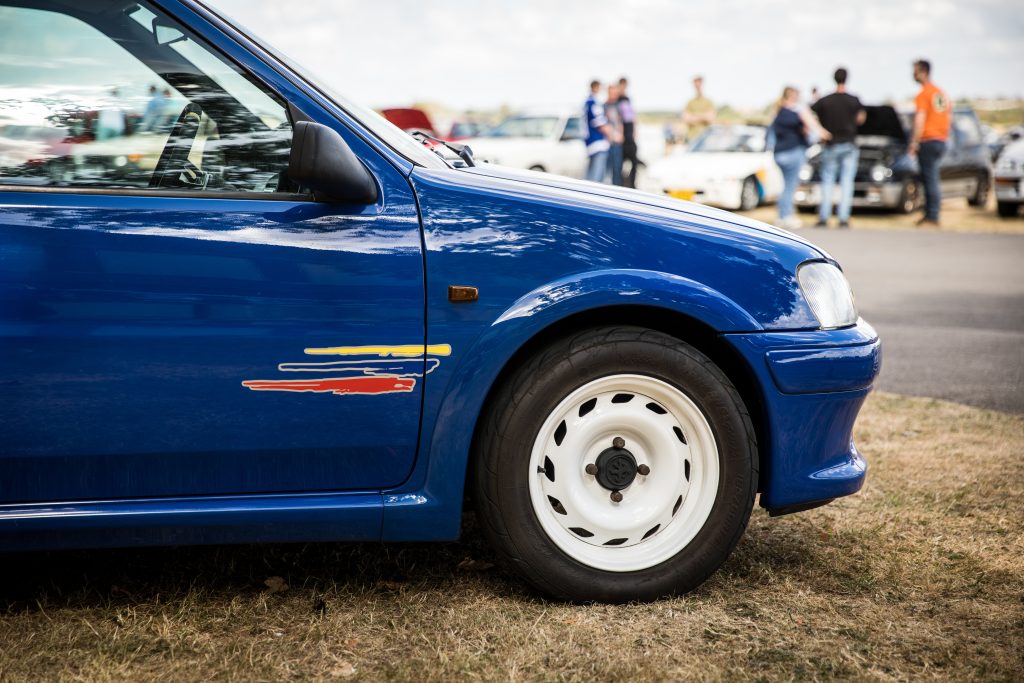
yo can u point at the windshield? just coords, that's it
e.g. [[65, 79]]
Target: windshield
[[391, 135], [730, 139], [526, 127]]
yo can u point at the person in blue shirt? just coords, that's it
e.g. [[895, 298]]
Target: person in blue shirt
[[789, 129], [599, 134]]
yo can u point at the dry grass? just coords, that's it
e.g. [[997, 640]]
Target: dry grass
[[921, 576], [956, 216]]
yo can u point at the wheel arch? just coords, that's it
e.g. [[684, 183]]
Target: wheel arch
[[429, 506], [675, 323]]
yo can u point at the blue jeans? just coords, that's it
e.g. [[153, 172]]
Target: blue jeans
[[929, 157], [597, 166], [615, 164], [790, 161], [841, 157]]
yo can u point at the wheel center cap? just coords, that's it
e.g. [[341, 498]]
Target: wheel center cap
[[616, 468]]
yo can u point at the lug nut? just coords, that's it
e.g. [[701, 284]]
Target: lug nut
[[643, 470], [616, 497], [592, 469], [618, 442]]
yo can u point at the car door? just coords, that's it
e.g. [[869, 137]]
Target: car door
[[177, 318]]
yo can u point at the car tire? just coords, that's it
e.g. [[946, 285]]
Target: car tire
[[1008, 209], [750, 195], [556, 521], [980, 196], [910, 196], [538, 167]]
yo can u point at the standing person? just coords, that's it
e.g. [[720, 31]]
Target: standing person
[[110, 120], [840, 114], [598, 134], [790, 128], [614, 116], [699, 112], [629, 149], [928, 141], [154, 112]]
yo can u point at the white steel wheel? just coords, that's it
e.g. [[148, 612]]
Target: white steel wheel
[[624, 473], [616, 464]]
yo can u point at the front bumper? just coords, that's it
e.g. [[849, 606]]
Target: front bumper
[[1009, 188], [813, 384], [724, 193], [865, 195]]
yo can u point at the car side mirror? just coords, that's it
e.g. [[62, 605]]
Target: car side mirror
[[322, 161]]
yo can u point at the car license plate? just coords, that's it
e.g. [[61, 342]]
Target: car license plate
[[682, 194]]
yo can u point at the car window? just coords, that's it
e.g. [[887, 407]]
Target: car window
[[573, 130], [526, 127], [121, 96], [968, 132], [730, 139]]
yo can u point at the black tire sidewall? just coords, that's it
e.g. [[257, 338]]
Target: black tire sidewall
[[746, 206], [657, 356]]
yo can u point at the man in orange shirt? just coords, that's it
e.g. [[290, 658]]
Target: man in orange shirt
[[928, 141]]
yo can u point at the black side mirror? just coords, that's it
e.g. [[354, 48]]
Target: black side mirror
[[321, 161]]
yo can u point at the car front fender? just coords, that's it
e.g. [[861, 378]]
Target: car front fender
[[428, 506]]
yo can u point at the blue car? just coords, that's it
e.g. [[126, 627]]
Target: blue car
[[236, 307]]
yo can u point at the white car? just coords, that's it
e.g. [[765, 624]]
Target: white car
[[726, 166], [547, 141], [1009, 180], [552, 141]]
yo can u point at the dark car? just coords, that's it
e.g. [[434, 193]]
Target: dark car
[[888, 178]]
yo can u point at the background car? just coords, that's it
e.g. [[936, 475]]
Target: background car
[[727, 166], [461, 130], [1003, 141], [888, 178], [410, 119], [551, 141], [1009, 180], [538, 140]]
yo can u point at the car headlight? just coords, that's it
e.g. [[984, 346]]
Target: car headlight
[[806, 172], [828, 294], [880, 173]]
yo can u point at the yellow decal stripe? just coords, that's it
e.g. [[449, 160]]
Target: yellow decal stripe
[[401, 351]]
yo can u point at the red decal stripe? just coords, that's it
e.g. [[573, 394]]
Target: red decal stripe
[[337, 385]]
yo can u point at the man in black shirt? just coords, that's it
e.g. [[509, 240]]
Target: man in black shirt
[[629, 149], [840, 114]]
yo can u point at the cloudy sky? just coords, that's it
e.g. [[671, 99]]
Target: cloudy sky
[[480, 54]]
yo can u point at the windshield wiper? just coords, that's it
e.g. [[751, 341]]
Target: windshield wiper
[[463, 151]]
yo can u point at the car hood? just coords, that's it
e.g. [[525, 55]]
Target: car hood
[[654, 205], [883, 121], [1013, 151]]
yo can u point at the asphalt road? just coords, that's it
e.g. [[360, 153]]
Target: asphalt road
[[948, 306]]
